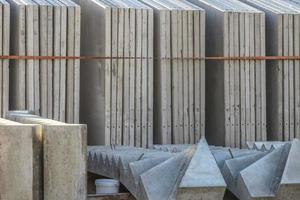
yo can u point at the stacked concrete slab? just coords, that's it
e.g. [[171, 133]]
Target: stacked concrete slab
[[48, 87], [117, 92], [4, 50], [20, 161], [153, 174], [236, 89], [64, 156], [179, 82], [282, 39]]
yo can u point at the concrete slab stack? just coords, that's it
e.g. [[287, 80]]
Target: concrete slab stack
[[179, 81], [48, 87], [4, 50], [117, 92], [20, 161], [236, 89], [64, 156], [282, 39]]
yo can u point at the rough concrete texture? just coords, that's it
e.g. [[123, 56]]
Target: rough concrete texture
[[64, 156], [154, 174], [65, 162], [267, 170], [202, 178], [271, 173], [20, 161], [265, 146]]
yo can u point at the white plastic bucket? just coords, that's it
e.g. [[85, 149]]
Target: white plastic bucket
[[107, 186]]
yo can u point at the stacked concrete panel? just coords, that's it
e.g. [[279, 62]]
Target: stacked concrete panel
[[117, 92], [20, 161], [64, 156], [179, 81], [152, 174], [283, 92], [4, 50], [48, 87], [236, 89]]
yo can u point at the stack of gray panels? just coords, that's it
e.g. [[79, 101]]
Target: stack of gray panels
[[236, 91], [283, 81], [48, 87], [179, 82], [4, 50], [117, 93]]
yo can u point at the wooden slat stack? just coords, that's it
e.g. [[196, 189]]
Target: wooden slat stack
[[48, 87], [4, 50], [179, 82], [283, 81], [117, 93], [236, 96]]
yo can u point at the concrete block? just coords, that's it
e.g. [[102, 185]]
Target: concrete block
[[20, 161], [64, 156]]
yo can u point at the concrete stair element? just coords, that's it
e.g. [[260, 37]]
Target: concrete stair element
[[271, 173], [154, 174]]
